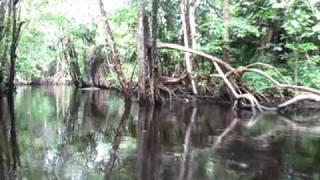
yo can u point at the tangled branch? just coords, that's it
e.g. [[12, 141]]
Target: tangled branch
[[236, 73]]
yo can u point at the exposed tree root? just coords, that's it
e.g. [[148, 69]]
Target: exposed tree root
[[283, 86], [238, 94], [167, 90], [172, 80]]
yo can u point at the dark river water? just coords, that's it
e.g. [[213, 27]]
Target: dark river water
[[59, 133]]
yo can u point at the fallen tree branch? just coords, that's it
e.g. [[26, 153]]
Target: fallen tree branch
[[301, 97]]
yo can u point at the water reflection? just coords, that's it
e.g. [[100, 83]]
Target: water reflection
[[10, 155], [62, 133], [117, 140]]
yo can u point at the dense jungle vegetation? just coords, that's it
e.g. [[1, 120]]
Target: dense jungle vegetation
[[124, 45], [85, 86]]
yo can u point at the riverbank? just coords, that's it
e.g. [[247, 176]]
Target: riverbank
[[271, 105]]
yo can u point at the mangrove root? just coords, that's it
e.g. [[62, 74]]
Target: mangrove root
[[229, 78]]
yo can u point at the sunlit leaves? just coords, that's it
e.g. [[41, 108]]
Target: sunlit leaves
[[302, 47], [242, 27]]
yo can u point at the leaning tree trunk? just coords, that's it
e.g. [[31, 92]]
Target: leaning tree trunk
[[115, 56], [185, 18]]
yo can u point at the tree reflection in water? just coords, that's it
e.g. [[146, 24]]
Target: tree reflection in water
[[10, 155], [117, 139], [148, 143], [62, 133], [186, 168]]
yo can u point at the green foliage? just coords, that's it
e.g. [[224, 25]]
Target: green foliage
[[211, 39], [41, 46], [284, 34], [309, 74], [241, 27], [112, 79], [256, 81]]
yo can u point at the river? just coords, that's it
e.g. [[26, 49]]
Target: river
[[62, 133]]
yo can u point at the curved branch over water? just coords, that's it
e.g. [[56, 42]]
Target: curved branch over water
[[314, 94]]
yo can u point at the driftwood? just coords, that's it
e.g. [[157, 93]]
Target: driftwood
[[233, 74]]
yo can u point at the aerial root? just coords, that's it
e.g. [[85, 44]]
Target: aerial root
[[243, 96], [170, 92]]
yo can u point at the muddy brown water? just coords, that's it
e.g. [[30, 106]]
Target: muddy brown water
[[61, 133]]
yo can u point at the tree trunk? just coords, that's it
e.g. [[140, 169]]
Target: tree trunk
[[95, 71], [115, 56], [143, 61], [153, 55], [192, 19], [226, 39], [5, 38], [14, 44], [16, 31], [147, 53], [2, 18], [71, 57], [185, 14]]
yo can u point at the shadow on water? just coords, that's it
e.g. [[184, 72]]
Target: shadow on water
[[62, 133]]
